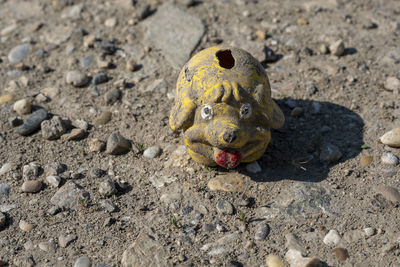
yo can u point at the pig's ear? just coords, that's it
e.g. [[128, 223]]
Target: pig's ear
[[272, 115], [182, 114]]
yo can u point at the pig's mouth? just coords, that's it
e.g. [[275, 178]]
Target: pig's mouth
[[227, 158]]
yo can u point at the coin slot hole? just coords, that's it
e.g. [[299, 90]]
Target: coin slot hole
[[225, 59]]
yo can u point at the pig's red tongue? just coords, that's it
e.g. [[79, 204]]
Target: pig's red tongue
[[228, 159]]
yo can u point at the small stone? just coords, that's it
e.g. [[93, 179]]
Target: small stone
[[110, 22], [104, 118], [107, 187], [80, 124], [253, 167], [88, 40], [65, 240], [22, 106], [6, 98], [293, 242], [30, 171], [51, 92], [31, 186], [117, 144], [24, 261], [83, 261], [274, 261], [391, 138], [52, 129], [261, 34], [18, 53], [103, 63], [389, 193], [54, 180], [329, 153], [332, 238], [228, 182], [96, 145], [353, 236], [54, 168], [295, 259], [366, 160], [369, 231], [112, 96], [337, 48], [8, 29], [152, 152], [311, 88], [224, 207], [131, 65], [75, 134], [86, 62], [100, 78], [5, 190], [389, 159], [69, 195], [302, 21], [25, 226], [392, 83], [108, 205], [341, 253], [297, 112], [40, 98], [6, 168], [262, 231], [32, 123], [48, 246], [76, 78], [323, 48], [53, 210]]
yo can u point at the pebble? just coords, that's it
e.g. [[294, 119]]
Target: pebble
[[274, 261], [253, 167], [393, 83], [65, 240], [51, 92], [86, 62], [6, 98], [108, 205], [324, 49], [224, 207], [366, 160], [302, 21], [152, 152], [69, 196], [6, 168], [388, 192], [53, 210], [75, 134], [54, 168], [262, 231], [80, 124], [341, 253], [48, 246], [22, 106], [131, 65], [96, 145], [297, 112], [110, 22], [103, 119], [311, 88], [54, 180], [369, 231], [261, 34], [8, 29], [5, 190], [107, 187], [32, 123], [24, 261], [337, 48], [88, 40], [76, 78], [100, 78], [228, 182], [25, 226], [332, 238], [112, 96], [103, 63], [52, 129], [30, 171], [329, 153], [389, 159], [295, 259], [391, 138], [293, 242], [117, 144], [31, 186], [83, 261], [18, 53]]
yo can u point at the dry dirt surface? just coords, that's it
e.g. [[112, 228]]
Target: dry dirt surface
[[91, 174]]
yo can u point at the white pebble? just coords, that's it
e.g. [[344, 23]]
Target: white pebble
[[152, 152], [369, 231], [22, 106], [390, 159], [332, 238]]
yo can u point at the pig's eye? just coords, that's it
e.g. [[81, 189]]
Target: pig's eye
[[245, 111], [206, 112]]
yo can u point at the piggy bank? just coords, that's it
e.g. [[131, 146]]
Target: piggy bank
[[224, 107]]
